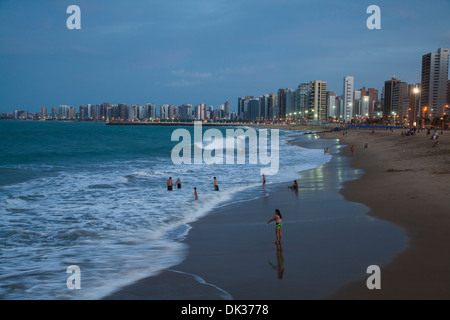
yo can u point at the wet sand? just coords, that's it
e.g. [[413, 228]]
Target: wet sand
[[407, 183]]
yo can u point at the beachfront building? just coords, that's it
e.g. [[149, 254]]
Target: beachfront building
[[332, 110], [291, 103], [185, 111], [282, 103], [395, 96], [273, 105], [434, 85], [303, 99], [200, 111], [373, 99], [254, 110], [164, 112], [264, 106], [318, 101], [389, 86], [243, 107], [347, 107]]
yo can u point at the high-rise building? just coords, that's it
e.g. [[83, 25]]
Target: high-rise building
[[303, 99], [44, 114], [243, 107], [272, 105], [72, 112], [347, 110], [227, 108], [399, 97], [373, 99], [200, 112], [185, 112], [291, 102], [332, 110], [63, 112], [151, 110], [282, 103], [54, 112], [254, 110], [264, 106], [434, 86], [388, 107], [123, 111], [164, 112], [318, 101]]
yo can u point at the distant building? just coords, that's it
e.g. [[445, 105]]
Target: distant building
[[227, 108], [123, 111], [185, 111], [44, 114], [151, 110], [388, 107], [20, 115], [200, 112], [434, 84], [282, 102], [303, 99], [254, 110], [164, 112], [332, 107], [291, 102], [347, 111], [373, 98], [173, 112], [318, 101], [272, 104]]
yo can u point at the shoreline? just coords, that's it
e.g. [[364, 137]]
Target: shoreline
[[405, 183], [232, 254]]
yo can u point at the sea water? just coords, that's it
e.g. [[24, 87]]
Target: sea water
[[95, 196]]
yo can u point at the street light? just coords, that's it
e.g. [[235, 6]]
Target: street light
[[416, 91]]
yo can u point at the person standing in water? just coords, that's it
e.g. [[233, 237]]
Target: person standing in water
[[169, 184], [277, 218], [195, 193], [264, 181], [216, 185], [179, 184]]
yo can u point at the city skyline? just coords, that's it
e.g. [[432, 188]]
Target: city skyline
[[205, 52], [311, 101]]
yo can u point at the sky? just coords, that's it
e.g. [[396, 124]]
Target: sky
[[206, 51]]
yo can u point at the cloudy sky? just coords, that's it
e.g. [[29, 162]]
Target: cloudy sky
[[206, 51]]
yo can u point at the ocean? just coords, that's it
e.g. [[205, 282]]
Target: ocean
[[95, 196]]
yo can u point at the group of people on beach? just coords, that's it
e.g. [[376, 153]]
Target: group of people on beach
[[178, 183], [277, 218]]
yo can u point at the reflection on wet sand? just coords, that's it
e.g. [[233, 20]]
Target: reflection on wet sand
[[280, 262]]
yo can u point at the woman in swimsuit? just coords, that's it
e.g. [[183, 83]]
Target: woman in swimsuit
[[278, 225]]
